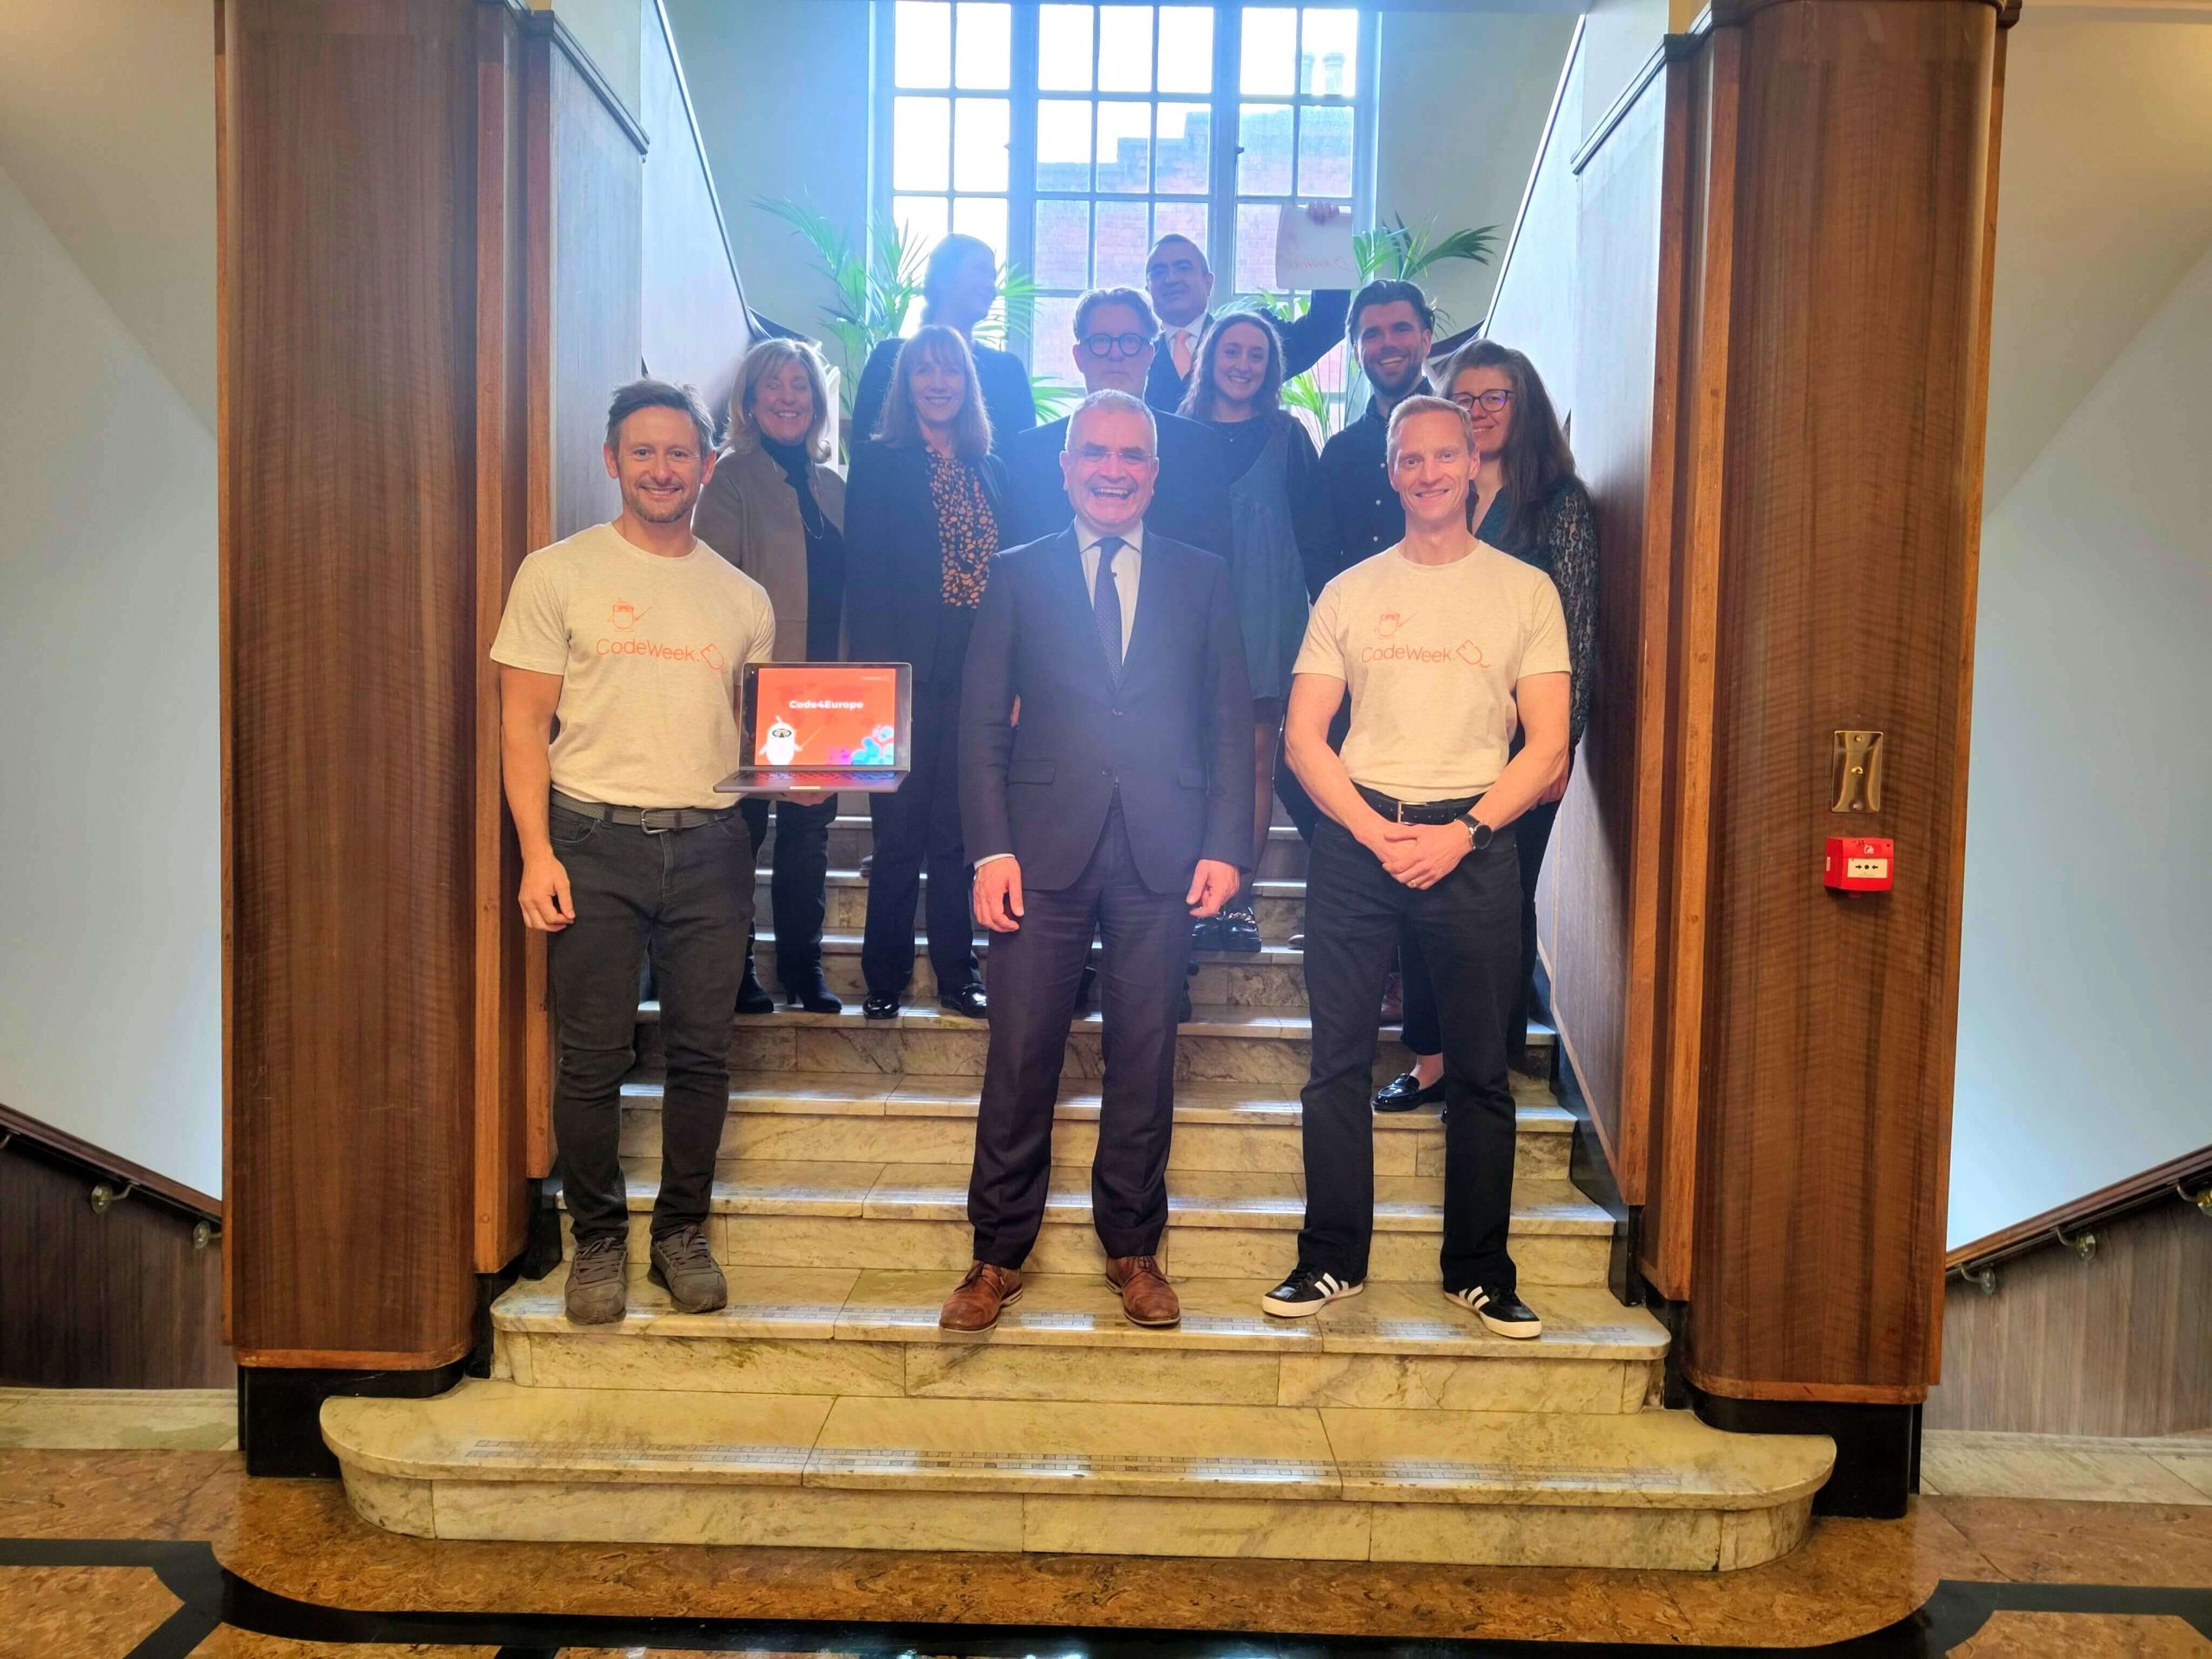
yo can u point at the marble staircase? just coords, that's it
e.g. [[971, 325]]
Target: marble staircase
[[824, 1407]]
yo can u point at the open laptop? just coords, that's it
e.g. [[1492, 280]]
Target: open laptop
[[824, 726]]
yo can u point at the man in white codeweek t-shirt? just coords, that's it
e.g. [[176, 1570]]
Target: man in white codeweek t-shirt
[[1446, 646], [632, 635]]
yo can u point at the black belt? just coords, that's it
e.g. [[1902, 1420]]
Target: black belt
[[1416, 811], [653, 820]]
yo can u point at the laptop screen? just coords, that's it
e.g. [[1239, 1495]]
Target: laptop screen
[[825, 715]]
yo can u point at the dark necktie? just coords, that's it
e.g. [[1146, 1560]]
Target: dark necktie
[[1106, 603]]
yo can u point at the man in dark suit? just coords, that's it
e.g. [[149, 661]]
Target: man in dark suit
[[1180, 283], [1114, 332], [1119, 803]]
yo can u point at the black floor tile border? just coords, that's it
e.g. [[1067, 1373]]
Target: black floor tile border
[[212, 1596]]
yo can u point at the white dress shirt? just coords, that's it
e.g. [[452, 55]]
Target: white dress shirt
[[1128, 565]]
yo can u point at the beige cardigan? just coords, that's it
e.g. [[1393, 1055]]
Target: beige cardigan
[[749, 514]]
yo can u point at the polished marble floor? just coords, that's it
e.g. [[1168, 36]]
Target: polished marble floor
[[128, 1528]]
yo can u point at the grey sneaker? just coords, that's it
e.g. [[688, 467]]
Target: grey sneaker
[[598, 1279], [686, 1270]]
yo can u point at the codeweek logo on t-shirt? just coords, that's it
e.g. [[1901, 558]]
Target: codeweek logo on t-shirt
[[1389, 648], [622, 639]]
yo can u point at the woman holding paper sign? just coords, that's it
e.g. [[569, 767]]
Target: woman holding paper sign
[[1279, 515]]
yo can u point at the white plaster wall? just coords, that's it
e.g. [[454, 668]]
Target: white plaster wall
[[781, 93], [2084, 1045], [1460, 101], [110, 954]]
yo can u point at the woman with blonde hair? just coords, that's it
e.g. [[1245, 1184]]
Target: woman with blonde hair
[[922, 524], [775, 510]]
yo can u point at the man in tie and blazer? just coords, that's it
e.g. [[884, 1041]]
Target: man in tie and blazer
[[1120, 802], [1180, 283], [1114, 350]]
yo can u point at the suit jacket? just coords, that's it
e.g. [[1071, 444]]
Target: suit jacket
[[1191, 504], [1305, 341], [1007, 399], [1174, 734], [894, 561]]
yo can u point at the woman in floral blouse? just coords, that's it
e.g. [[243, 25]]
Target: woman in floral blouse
[[922, 517]]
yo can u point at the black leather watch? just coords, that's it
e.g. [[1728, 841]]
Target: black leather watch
[[1478, 833]]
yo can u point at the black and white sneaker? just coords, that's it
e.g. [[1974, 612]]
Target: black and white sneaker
[[1501, 1311], [1306, 1293]]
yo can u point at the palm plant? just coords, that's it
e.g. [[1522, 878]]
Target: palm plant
[[1396, 250]]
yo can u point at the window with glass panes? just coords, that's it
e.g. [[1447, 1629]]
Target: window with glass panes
[[1071, 137]]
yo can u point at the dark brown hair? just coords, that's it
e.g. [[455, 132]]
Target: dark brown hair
[[658, 394], [901, 427], [1199, 396], [1387, 290], [1536, 460]]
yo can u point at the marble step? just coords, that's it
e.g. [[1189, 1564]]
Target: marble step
[[1271, 977], [1222, 1224], [849, 1331], [1220, 1043], [823, 1116], [1279, 904], [492, 1459], [852, 838]]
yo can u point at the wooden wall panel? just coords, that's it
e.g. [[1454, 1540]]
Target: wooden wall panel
[[1703, 229], [1845, 559], [2113, 1345], [584, 189], [1585, 913], [694, 326], [587, 200], [347, 183], [120, 1301], [502, 539]]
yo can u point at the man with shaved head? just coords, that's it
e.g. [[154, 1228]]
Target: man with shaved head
[[1180, 283], [1119, 804]]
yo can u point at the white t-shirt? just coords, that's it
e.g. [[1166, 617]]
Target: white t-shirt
[[1430, 653], [649, 650]]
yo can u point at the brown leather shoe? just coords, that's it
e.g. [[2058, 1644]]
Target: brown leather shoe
[[1147, 1297], [976, 1302]]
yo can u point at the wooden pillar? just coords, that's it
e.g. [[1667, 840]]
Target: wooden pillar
[[370, 206], [1831, 521]]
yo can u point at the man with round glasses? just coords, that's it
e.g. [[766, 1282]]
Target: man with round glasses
[[1112, 350]]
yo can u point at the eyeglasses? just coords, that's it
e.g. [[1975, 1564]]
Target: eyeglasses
[[1114, 345], [1493, 400]]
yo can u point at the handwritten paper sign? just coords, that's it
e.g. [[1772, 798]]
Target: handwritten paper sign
[[1313, 256]]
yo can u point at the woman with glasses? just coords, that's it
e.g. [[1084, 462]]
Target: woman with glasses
[[1527, 500], [1280, 530], [922, 517], [775, 510], [959, 287]]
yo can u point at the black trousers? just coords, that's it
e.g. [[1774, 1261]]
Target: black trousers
[[798, 874], [1033, 974], [685, 898], [918, 824], [1354, 913], [1531, 833]]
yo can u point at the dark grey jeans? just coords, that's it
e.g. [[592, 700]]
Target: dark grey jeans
[[686, 897], [1469, 926]]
